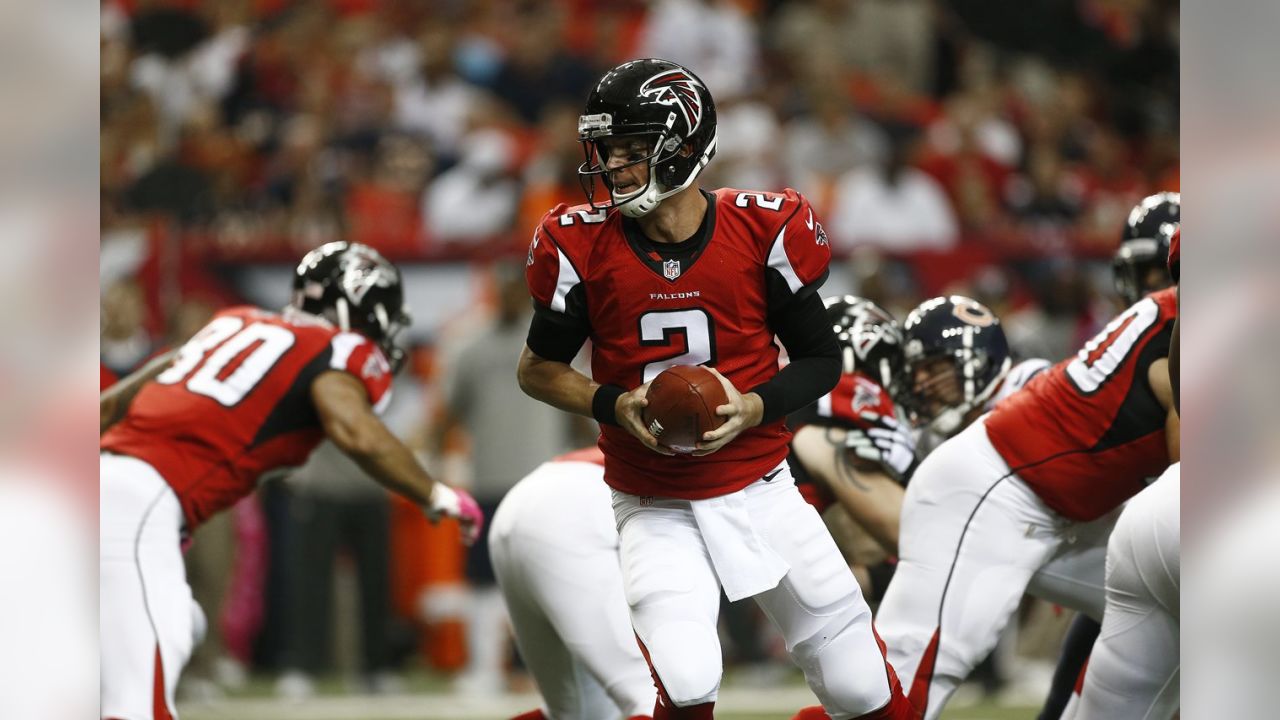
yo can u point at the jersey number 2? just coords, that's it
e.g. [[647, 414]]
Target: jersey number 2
[[232, 339], [657, 328], [1102, 356]]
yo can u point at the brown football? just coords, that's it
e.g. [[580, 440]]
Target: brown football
[[682, 405]]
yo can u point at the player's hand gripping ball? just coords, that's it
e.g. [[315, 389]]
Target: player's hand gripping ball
[[682, 404]]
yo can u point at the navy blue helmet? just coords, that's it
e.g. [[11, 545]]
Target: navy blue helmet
[[956, 357]]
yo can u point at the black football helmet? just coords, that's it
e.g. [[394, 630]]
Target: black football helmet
[[666, 106], [1140, 265], [355, 288], [870, 340], [968, 334]]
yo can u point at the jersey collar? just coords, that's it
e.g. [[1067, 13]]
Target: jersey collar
[[666, 260]]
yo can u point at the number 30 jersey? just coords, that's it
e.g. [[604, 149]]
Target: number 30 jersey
[[708, 300], [236, 402], [1087, 433]]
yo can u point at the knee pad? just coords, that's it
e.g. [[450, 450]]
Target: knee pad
[[844, 666], [686, 658]]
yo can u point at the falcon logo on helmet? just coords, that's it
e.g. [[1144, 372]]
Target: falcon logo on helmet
[[675, 87]]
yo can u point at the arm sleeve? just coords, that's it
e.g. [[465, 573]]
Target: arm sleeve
[[806, 333], [554, 336], [560, 325]]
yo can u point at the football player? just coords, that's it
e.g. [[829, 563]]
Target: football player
[[850, 448], [1140, 267], [190, 433], [958, 366], [657, 273], [1134, 669], [555, 554], [1040, 475]]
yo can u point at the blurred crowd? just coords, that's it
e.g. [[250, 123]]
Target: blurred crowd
[[949, 145]]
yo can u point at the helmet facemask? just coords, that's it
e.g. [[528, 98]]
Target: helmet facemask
[[967, 366], [667, 156], [1140, 267]]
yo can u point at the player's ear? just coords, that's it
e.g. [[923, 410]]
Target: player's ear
[[686, 149]]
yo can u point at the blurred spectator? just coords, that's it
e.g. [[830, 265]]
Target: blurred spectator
[[551, 175], [868, 36], [830, 142], [1114, 184], [434, 99], [538, 71], [507, 436], [713, 38], [181, 61], [1048, 198], [897, 207], [125, 340], [748, 151], [383, 210], [476, 199]]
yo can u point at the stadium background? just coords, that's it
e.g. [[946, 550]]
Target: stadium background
[[989, 148]]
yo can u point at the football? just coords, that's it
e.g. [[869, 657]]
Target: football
[[682, 406]]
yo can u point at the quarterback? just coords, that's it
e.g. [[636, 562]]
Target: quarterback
[[657, 273]]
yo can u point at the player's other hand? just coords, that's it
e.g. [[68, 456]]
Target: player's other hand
[[458, 504], [628, 409], [741, 412]]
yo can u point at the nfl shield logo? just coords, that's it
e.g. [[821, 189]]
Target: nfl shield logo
[[671, 269]]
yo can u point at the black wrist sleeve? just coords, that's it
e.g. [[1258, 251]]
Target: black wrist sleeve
[[805, 331], [604, 404]]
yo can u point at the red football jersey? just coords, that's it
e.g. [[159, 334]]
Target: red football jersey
[[236, 402], [1175, 254], [707, 302], [855, 403], [1086, 434]]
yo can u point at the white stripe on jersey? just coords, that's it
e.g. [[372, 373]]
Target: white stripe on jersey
[[565, 281], [779, 261]]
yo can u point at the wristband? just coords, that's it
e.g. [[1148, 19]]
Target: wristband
[[604, 404], [444, 501]]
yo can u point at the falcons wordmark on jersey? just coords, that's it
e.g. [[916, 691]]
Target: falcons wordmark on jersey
[[704, 301], [236, 402]]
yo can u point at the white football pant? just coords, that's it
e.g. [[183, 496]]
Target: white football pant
[[973, 539], [1134, 669], [149, 622], [554, 550], [763, 541]]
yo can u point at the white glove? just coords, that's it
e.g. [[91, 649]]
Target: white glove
[[887, 442], [459, 505]]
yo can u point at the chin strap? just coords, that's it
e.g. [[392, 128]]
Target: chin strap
[[647, 200]]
